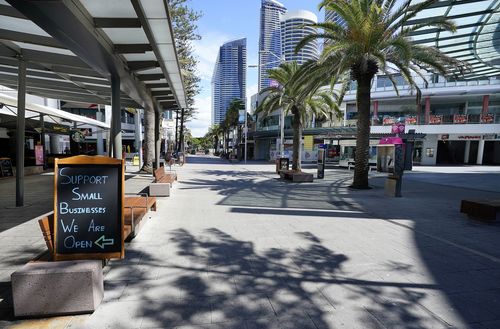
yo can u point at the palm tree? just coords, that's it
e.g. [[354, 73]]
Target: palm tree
[[375, 36], [233, 114], [297, 98]]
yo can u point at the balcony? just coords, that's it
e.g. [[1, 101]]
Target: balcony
[[445, 119]]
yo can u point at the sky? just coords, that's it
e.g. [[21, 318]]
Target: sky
[[222, 21]]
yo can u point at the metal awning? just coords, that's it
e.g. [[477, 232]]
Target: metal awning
[[477, 39], [12, 101], [72, 48]]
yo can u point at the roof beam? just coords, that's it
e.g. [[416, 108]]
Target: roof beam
[[10, 12], [157, 85], [52, 58], [71, 24], [134, 48], [162, 93], [142, 65], [150, 77], [434, 18], [105, 22], [29, 38], [149, 34]]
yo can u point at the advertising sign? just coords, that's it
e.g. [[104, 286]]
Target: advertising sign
[[487, 118], [398, 128], [411, 120], [88, 208], [388, 121], [6, 167], [435, 119], [39, 155], [460, 118], [308, 143]]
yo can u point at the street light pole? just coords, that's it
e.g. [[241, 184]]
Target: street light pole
[[245, 131], [281, 59]]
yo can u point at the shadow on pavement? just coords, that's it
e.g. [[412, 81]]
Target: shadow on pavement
[[460, 254], [214, 278]]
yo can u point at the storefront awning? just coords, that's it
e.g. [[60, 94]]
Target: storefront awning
[[12, 102]]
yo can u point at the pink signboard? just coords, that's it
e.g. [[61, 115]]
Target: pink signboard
[[390, 140], [398, 128], [39, 155]]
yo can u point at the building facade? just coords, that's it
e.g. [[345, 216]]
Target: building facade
[[331, 16], [229, 77], [271, 12], [293, 29]]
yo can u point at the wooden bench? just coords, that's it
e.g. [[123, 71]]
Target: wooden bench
[[488, 210], [163, 182], [164, 177], [134, 209]]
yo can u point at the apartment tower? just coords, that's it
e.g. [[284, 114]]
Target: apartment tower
[[271, 12], [293, 29], [229, 77]]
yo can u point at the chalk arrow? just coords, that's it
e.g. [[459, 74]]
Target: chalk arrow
[[101, 242]]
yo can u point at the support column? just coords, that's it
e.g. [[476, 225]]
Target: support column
[[138, 135], [54, 144], [375, 112], [181, 132], [99, 141], [20, 132], [467, 152], [157, 140], [427, 110], [486, 103], [480, 152], [42, 139], [176, 143], [116, 122]]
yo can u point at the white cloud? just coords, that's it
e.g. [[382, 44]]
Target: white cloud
[[251, 90], [206, 51], [199, 125]]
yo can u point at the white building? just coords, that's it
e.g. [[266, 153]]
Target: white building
[[293, 29]]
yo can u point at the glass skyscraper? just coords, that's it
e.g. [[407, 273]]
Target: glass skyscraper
[[271, 12], [293, 30], [331, 16], [229, 77]]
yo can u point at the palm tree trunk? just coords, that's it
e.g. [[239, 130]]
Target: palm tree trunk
[[149, 141], [361, 166], [297, 140]]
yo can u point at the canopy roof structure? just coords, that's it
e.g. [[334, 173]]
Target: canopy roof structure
[[52, 112], [477, 39], [73, 48]]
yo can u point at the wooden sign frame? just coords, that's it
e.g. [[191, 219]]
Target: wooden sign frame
[[90, 160]]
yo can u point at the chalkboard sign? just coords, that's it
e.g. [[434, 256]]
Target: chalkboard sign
[[88, 208], [6, 167]]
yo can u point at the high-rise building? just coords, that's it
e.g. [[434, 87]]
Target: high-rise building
[[269, 39], [293, 29], [229, 77], [331, 16]]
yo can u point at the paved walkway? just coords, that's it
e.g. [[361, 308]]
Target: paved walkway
[[234, 247]]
